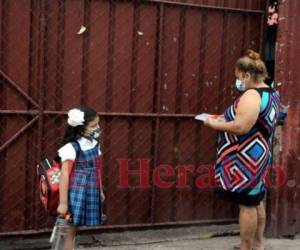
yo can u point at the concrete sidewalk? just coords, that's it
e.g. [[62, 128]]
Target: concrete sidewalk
[[186, 238], [177, 238], [219, 243]]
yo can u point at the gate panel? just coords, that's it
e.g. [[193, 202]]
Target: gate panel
[[147, 68], [72, 55], [249, 4], [14, 188], [170, 58], [96, 66]]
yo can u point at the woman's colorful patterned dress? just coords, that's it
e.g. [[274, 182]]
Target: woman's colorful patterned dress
[[243, 161]]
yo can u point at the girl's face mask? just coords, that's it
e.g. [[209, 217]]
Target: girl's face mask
[[96, 133], [93, 130]]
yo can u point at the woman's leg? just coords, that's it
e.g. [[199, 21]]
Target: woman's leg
[[261, 223], [248, 226], [70, 239]]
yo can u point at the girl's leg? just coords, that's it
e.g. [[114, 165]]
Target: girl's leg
[[70, 239], [261, 223], [248, 226]]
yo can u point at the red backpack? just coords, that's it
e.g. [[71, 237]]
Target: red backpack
[[48, 181]]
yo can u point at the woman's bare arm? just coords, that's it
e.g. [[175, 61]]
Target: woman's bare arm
[[246, 115]]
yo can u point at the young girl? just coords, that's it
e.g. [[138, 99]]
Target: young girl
[[80, 190]]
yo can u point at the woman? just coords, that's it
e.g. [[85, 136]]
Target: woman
[[244, 148]]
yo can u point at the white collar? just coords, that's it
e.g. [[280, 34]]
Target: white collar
[[86, 143]]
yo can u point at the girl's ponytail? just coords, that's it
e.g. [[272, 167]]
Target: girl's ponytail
[[72, 133]]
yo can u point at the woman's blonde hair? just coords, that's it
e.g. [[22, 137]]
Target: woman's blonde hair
[[251, 63]]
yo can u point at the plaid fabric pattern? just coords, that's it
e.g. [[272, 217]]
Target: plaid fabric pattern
[[84, 188]]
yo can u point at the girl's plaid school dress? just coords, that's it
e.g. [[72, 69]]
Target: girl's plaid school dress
[[84, 189]]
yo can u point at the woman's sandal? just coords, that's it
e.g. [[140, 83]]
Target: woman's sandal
[[237, 247]]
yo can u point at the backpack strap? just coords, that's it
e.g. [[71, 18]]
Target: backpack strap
[[77, 148]]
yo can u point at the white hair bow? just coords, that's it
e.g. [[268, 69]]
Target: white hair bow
[[75, 117]]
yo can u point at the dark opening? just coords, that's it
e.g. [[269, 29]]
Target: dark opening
[[270, 39]]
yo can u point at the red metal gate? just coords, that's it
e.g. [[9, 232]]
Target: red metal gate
[[284, 202], [147, 67]]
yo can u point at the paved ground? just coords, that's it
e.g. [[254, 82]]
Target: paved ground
[[189, 238], [220, 243]]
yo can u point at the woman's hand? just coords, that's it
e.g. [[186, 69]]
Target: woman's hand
[[62, 209], [247, 113], [102, 196], [209, 122]]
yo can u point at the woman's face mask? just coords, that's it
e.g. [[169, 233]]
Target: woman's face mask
[[242, 80], [240, 85]]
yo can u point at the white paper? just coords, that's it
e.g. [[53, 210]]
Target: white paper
[[202, 116], [216, 118]]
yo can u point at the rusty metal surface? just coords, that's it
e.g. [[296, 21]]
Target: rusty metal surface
[[234, 4], [147, 68], [284, 209]]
